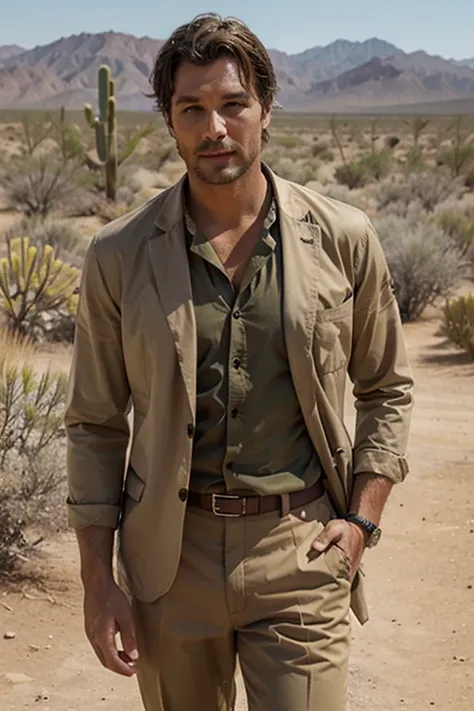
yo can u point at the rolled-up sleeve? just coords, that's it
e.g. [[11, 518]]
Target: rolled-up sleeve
[[98, 401], [379, 368]]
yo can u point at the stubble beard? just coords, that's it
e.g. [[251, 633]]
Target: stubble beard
[[220, 174]]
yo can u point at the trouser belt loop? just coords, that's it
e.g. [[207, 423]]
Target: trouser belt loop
[[285, 504]]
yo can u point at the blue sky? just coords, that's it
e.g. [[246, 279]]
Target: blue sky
[[438, 26]]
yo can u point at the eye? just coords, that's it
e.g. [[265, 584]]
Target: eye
[[190, 109], [234, 104]]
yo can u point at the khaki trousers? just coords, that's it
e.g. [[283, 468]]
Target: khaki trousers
[[250, 587]]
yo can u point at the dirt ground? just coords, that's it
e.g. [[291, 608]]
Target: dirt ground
[[416, 653]]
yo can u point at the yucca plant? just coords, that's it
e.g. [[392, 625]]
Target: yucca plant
[[34, 283], [459, 322]]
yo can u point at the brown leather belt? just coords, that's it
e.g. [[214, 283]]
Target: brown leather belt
[[235, 506]]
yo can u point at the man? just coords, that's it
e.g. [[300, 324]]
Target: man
[[228, 311]]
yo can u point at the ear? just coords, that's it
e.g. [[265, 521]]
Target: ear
[[171, 130], [266, 117]]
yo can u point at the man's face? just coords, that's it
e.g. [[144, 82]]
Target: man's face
[[216, 122]]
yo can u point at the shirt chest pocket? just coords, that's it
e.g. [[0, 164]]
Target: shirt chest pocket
[[332, 337]]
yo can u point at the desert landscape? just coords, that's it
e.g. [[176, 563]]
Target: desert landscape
[[414, 176]]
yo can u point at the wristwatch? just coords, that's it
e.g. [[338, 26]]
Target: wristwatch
[[373, 531]]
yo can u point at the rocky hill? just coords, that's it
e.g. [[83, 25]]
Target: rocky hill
[[342, 76]]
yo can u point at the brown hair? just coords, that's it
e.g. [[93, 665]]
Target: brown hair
[[203, 40]]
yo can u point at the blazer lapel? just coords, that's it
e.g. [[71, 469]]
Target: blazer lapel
[[169, 261]]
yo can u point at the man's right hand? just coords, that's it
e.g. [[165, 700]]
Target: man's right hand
[[106, 613]]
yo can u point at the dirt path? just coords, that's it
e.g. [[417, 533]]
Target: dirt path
[[418, 650]]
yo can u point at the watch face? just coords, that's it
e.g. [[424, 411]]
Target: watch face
[[374, 538]]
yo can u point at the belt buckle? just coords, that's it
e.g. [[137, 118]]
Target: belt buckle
[[216, 509]]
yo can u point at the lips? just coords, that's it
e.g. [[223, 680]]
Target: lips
[[216, 154]]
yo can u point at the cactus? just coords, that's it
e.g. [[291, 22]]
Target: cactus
[[104, 126], [34, 283]]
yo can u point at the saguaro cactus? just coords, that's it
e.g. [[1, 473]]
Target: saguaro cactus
[[104, 126]]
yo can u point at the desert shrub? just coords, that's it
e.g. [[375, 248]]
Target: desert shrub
[[66, 239], [287, 140], [297, 171], [457, 158], [36, 185], [344, 194], [357, 173], [391, 142], [424, 263], [469, 179], [31, 409], [460, 154], [320, 149], [352, 174], [459, 323], [377, 164], [428, 188], [460, 228], [37, 291], [414, 159]]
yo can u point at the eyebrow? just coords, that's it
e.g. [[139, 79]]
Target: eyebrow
[[189, 99]]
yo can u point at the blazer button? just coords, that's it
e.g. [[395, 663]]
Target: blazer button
[[183, 494], [191, 430]]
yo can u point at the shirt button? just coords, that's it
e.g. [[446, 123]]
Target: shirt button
[[236, 314], [191, 430], [234, 412], [236, 363], [183, 494], [230, 465]]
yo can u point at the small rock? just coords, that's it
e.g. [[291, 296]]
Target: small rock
[[9, 635], [462, 659], [43, 696], [469, 587], [34, 647]]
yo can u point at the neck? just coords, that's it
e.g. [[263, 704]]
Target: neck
[[231, 204]]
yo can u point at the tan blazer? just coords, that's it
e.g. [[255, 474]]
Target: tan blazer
[[136, 347]]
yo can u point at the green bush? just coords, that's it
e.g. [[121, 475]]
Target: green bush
[[459, 323], [357, 173], [352, 174], [424, 263]]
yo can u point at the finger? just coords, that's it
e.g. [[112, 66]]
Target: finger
[[331, 534], [127, 635], [112, 660]]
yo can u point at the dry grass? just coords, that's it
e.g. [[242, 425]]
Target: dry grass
[[15, 349]]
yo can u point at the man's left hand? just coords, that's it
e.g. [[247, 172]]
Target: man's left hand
[[348, 536]]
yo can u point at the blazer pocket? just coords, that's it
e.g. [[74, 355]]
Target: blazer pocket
[[134, 486], [332, 337]]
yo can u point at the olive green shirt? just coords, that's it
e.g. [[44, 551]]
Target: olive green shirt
[[250, 434]]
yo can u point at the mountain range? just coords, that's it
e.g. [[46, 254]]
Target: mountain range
[[343, 76]]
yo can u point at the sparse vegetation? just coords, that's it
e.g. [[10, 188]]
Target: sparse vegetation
[[459, 323], [424, 263], [428, 188], [30, 430]]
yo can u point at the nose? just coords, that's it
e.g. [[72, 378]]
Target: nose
[[216, 128]]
